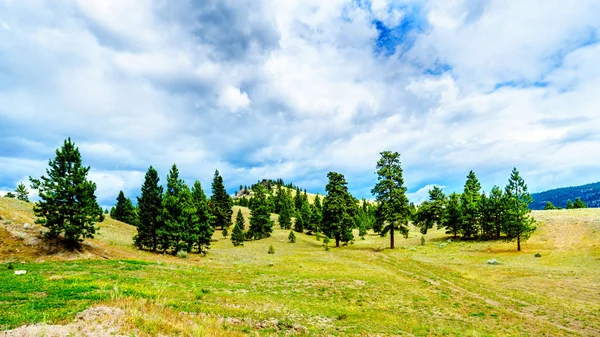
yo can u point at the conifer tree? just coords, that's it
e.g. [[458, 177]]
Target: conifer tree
[[519, 224], [124, 210], [237, 235], [174, 203], [22, 192], [577, 204], [339, 209], [393, 211], [549, 206], [298, 199], [292, 237], [150, 207], [431, 212], [286, 209], [10, 195], [452, 220], [67, 203], [470, 202], [220, 203], [316, 214], [303, 218], [261, 225], [570, 204], [497, 205], [202, 221]]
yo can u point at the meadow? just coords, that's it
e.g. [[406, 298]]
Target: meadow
[[444, 287]]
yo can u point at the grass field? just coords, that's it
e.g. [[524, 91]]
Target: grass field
[[439, 289]]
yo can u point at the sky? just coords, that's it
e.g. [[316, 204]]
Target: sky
[[294, 89]]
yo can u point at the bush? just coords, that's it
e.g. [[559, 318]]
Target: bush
[[326, 243], [182, 254], [422, 240], [271, 249], [292, 237], [538, 255]]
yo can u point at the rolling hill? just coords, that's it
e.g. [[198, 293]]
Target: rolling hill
[[590, 194]]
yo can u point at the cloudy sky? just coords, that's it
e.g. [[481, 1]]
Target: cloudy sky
[[294, 89]]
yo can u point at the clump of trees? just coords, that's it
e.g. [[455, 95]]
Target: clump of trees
[[124, 210], [501, 214], [180, 219]]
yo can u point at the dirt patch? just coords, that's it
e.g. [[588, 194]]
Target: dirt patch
[[93, 322]]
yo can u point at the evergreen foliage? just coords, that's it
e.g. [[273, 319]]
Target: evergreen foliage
[[570, 204], [393, 212], [549, 206], [303, 218], [452, 215], [220, 203], [316, 215], [174, 213], [292, 237], [286, 208], [339, 209], [470, 203], [201, 229], [518, 224], [237, 235], [10, 195], [431, 212], [22, 192], [67, 203], [150, 207], [577, 204], [261, 225], [124, 210], [298, 199]]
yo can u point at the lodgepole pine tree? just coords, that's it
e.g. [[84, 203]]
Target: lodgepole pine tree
[[393, 211], [519, 225], [203, 219], [470, 203], [67, 203], [286, 209], [174, 214], [452, 215]]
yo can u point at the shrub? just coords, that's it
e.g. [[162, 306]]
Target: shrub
[[326, 243], [271, 249], [538, 255], [292, 237], [422, 240], [182, 254]]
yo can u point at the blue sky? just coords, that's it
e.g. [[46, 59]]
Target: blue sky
[[295, 89]]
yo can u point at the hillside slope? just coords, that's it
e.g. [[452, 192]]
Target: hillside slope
[[590, 194]]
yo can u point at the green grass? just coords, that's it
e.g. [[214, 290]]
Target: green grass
[[354, 290]]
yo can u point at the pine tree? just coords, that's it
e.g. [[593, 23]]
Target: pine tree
[[298, 200], [173, 217], [261, 225], [519, 225], [339, 210], [570, 204], [220, 203], [286, 209], [68, 204], [497, 205], [316, 214], [292, 237], [150, 207], [237, 235], [452, 219], [393, 211], [549, 206], [22, 192], [577, 204], [303, 218], [470, 202], [431, 212], [202, 222], [124, 210]]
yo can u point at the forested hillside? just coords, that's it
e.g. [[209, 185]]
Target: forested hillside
[[590, 194]]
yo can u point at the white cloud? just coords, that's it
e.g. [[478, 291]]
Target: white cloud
[[233, 99]]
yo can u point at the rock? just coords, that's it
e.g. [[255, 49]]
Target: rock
[[20, 272], [493, 262], [27, 226]]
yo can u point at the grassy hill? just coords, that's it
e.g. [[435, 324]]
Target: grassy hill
[[439, 289], [590, 194]]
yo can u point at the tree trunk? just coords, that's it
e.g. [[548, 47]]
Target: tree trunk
[[392, 237], [519, 243], [337, 242]]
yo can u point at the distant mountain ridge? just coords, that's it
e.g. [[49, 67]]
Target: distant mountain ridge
[[590, 194]]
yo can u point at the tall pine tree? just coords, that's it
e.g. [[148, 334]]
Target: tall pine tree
[[67, 203], [339, 210], [150, 207], [286, 209], [519, 225], [393, 211], [316, 215], [220, 203], [261, 225], [175, 201], [203, 219], [452, 219], [470, 203], [124, 210]]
